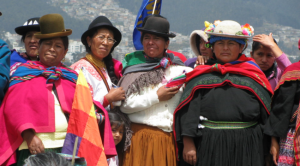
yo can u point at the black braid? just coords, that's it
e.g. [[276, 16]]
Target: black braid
[[110, 68]]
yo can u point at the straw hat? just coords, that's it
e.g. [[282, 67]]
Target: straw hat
[[232, 29]]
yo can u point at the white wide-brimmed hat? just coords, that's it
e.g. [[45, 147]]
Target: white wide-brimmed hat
[[193, 35], [231, 29]]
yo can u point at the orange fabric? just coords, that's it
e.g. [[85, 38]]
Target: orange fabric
[[150, 146]]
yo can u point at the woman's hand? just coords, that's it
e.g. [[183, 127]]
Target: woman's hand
[[268, 41], [115, 94], [34, 143], [274, 150], [189, 150], [201, 60], [164, 93]]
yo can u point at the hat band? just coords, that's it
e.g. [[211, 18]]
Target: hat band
[[213, 39]]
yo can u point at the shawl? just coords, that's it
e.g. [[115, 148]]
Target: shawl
[[29, 103], [16, 57], [292, 73], [141, 71], [243, 73], [137, 61], [4, 68]]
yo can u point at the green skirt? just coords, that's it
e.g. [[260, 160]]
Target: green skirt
[[22, 155]]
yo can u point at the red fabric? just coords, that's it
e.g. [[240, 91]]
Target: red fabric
[[247, 67], [30, 105], [292, 73], [118, 68], [106, 133], [178, 54], [105, 102]]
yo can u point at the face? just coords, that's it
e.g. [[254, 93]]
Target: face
[[101, 43], [154, 46], [203, 50], [117, 133], [31, 44], [227, 50], [52, 51], [263, 57]]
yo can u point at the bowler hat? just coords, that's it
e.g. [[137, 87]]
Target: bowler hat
[[30, 25], [157, 25], [101, 22], [52, 25]]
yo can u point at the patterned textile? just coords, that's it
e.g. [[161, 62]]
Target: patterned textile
[[95, 81], [31, 69], [137, 61], [226, 125], [292, 73], [83, 124], [286, 153]]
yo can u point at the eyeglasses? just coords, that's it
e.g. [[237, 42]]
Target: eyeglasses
[[109, 40]]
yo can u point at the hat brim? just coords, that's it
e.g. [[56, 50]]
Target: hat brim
[[67, 32], [21, 30], [193, 40], [229, 36], [117, 33], [171, 35]]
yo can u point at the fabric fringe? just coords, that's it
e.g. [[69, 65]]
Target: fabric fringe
[[145, 80]]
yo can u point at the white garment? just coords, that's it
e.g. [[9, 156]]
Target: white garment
[[114, 161], [145, 108], [95, 82], [57, 138]]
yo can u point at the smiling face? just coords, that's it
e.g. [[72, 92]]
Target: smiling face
[[52, 51], [154, 46], [100, 43], [263, 57], [227, 50], [203, 50], [31, 44], [117, 133]]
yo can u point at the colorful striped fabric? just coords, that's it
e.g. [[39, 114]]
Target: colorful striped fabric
[[83, 124], [32, 69], [177, 81]]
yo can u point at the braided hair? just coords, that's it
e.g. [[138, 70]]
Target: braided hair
[[108, 61]]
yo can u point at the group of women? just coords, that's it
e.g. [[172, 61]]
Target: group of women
[[214, 109]]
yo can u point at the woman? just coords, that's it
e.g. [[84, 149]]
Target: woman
[[283, 124], [224, 106], [265, 52], [101, 71], [31, 43], [198, 43], [33, 116], [149, 104]]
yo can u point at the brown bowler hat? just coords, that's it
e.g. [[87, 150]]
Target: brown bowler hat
[[52, 25]]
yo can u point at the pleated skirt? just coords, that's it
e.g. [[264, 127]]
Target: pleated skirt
[[150, 146]]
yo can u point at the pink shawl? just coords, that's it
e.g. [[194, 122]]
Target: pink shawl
[[30, 105]]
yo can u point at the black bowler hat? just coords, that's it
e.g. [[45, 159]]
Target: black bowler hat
[[102, 22], [158, 25], [30, 25]]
